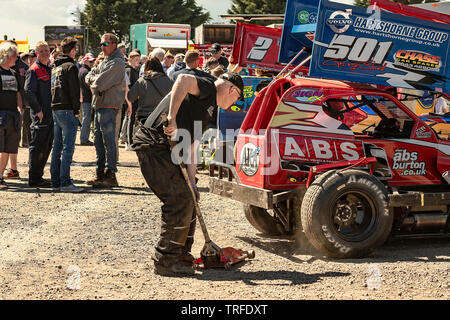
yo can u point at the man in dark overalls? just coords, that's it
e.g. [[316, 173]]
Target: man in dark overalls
[[188, 110], [39, 97]]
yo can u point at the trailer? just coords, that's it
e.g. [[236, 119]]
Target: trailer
[[215, 33], [169, 36], [53, 35]]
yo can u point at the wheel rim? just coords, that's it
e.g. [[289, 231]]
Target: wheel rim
[[353, 216]]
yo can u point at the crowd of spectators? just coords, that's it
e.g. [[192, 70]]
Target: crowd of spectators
[[48, 96]]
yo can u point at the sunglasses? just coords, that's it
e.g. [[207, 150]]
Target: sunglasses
[[214, 51], [105, 44]]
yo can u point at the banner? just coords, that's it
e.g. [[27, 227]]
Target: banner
[[256, 47], [355, 44], [300, 22]]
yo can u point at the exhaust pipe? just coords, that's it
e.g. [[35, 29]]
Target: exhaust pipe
[[425, 221], [446, 176]]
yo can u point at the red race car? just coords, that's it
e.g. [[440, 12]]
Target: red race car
[[343, 164]]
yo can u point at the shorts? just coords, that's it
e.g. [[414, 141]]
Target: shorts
[[9, 136]]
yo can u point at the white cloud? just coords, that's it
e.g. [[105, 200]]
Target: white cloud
[[216, 8], [22, 18]]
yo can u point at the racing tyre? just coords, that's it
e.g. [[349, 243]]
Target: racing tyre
[[346, 214], [262, 221]]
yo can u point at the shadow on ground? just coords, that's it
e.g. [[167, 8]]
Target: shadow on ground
[[394, 250], [249, 278]]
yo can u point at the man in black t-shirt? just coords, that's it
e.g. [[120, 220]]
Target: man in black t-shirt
[[187, 109], [192, 60], [10, 100], [217, 53]]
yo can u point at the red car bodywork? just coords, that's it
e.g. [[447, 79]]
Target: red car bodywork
[[287, 131]]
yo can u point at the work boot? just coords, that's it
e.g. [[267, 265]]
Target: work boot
[[109, 181], [99, 176], [187, 258], [174, 270]]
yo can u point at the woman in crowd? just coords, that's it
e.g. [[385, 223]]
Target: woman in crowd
[[149, 89]]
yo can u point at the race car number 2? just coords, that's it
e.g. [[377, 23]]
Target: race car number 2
[[360, 50], [259, 51]]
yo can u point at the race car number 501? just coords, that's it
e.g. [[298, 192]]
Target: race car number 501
[[355, 49]]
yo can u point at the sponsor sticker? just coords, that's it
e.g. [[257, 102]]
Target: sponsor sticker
[[406, 163], [303, 16], [339, 21], [417, 60], [249, 160], [422, 132], [300, 148], [308, 96]]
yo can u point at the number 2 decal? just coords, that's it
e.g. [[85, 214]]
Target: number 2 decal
[[260, 49]]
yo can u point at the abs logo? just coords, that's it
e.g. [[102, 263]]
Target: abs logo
[[249, 159], [339, 21]]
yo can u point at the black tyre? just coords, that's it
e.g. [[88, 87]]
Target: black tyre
[[262, 221], [346, 214]]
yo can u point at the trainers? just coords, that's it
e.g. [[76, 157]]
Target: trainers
[[175, 270], [3, 184], [71, 188], [12, 174]]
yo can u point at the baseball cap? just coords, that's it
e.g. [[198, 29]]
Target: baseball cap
[[88, 57], [24, 55], [235, 79], [215, 47], [178, 55]]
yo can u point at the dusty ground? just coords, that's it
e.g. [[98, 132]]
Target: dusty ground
[[99, 244]]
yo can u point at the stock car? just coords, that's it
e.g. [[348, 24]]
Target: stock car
[[340, 164]]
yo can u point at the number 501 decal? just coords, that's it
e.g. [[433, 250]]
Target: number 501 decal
[[260, 49], [344, 47]]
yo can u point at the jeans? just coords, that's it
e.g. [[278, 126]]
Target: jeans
[[104, 139], [65, 129], [86, 121]]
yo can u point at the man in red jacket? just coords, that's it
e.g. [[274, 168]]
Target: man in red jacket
[[39, 96]]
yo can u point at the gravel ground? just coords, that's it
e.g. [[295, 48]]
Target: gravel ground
[[97, 245]]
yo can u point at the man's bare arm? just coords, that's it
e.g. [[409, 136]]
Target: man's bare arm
[[185, 84], [19, 102]]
